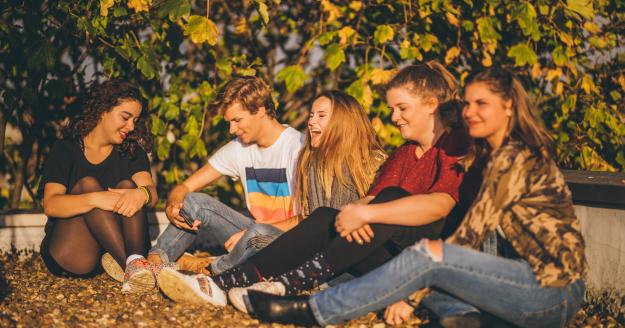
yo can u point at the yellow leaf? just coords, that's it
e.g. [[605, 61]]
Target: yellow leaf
[[452, 53], [105, 5], [201, 29], [621, 81], [139, 5], [554, 73], [241, 26], [380, 76], [367, 97], [487, 60], [345, 34], [587, 84], [355, 5], [559, 88], [452, 19], [331, 10], [536, 70], [592, 27]]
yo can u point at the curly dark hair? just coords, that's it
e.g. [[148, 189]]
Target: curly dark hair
[[101, 99]]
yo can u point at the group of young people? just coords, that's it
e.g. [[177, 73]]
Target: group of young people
[[470, 215]]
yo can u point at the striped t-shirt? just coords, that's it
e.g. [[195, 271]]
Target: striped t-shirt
[[268, 174]]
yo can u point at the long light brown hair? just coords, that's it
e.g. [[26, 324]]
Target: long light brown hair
[[432, 79], [524, 125], [348, 146]]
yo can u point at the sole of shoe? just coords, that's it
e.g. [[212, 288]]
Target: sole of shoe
[[112, 268], [174, 285], [237, 296], [141, 282]]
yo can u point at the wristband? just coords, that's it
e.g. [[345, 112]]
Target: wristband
[[148, 195]]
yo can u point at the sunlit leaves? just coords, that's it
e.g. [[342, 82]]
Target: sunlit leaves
[[139, 5], [384, 33], [293, 77], [334, 57], [175, 9], [580, 8], [452, 54], [262, 10], [331, 10], [522, 54], [201, 29], [105, 5]]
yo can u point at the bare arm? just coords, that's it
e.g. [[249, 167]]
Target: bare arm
[[414, 210], [198, 180], [58, 204], [144, 178]]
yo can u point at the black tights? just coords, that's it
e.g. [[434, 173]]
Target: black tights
[[317, 234], [75, 244]]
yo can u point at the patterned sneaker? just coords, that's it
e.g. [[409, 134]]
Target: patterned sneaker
[[238, 296], [182, 288], [139, 277], [111, 267]]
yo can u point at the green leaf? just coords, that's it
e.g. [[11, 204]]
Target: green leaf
[[559, 56], [175, 9], [262, 10], [201, 29], [200, 149], [327, 37], [158, 126], [162, 151], [383, 34], [192, 126], [172, 111], [293, 76], [334, 56], [522, 54], [143, 64], [582, 8], [486, 29], [525, 15], [187, 142]]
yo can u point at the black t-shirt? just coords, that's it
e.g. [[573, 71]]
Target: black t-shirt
[[66, 164]]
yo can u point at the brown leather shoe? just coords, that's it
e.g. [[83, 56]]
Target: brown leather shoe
[[196, 264]]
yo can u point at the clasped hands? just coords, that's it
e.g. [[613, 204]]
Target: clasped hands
[[352, 223], [126, 202]]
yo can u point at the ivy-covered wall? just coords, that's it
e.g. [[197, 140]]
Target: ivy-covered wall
[[569, 54]]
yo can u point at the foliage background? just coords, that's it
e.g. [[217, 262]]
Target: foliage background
[[569, 54]]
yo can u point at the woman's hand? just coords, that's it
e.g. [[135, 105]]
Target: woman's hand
[[351, 217], [398, 313], [105, 200], [130, 201], [360, 235]]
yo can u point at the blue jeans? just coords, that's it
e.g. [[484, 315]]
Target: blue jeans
[[503, 287], [219, 222]]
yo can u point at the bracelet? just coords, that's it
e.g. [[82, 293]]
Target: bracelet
[[148, 195]]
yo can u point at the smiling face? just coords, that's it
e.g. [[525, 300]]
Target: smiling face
[[243, 124], [120, 120], [486, 114], [319, 118], [413, 115]]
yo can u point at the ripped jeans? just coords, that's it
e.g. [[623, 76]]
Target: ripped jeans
[[502, 287], [219, 222]]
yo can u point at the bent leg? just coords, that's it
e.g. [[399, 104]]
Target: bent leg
[[503, 287], [217, 219], [253, 240], [135, 228]]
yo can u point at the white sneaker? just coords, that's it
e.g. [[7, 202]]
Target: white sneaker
[[183, 288], [238, 296]]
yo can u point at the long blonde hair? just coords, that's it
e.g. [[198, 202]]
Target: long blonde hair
[[348, 146]]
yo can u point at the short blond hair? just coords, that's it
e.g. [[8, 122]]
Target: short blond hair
[[250, 92]]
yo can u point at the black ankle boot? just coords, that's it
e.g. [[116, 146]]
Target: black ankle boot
[[282, 309]]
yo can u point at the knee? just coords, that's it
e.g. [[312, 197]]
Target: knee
[[262, 230], [86, 184], [390, 193], [193, 201], [126, 184]]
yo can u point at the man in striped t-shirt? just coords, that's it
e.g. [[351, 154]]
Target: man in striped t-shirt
[[264, 156]]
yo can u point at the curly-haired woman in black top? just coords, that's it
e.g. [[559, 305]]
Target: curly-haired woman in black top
[[96, 185]]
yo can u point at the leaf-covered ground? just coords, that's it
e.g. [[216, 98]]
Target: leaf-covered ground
[[30, 297]]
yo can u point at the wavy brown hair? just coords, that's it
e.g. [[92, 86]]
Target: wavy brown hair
[[348, 145], [249, 91], [524, 125], [101, 99]]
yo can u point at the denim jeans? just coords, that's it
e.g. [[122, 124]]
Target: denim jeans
[[502, 287], [219, 222]]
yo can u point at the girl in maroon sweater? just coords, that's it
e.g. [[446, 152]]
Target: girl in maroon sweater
[[415, 191]]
